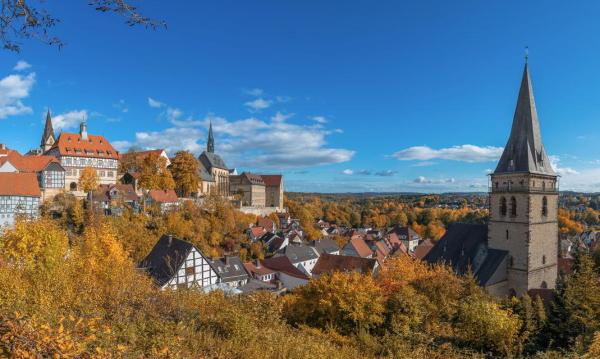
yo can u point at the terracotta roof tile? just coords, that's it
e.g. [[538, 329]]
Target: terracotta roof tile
[[328, 263], [272, 180], [19, 184], [163, 196], [361, 247], [71, 144]]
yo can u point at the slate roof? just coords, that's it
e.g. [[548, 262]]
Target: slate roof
[[229, 269], [19, 184], [166, 258], [204, 174], [299, 253], [210, 160], [326, 245], [48, 129], [524, 151], [464, 246], [329, 263]]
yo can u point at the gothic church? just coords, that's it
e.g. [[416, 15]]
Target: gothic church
[[518, 249]]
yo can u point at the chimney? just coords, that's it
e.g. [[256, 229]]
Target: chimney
[[170, 237], [83, 130], [2, 146]]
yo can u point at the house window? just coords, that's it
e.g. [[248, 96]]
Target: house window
[[73, 186], [503, 206], [513, 206], [544, 259], [189, 270], [507, 234], [544, 206], [544, 285]]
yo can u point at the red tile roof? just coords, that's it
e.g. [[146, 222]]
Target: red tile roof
[[423, 248], [272, 180], [254, 270], [19, 184], [328, 263], [257, 231], [361, 247], [163, 196], [266, 223], [284, 265], [71, 144]]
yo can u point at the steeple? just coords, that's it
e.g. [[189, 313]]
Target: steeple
[[48, 138], [524, 151], [210, 144]]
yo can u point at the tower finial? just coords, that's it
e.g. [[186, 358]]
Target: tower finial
[[526, 54]]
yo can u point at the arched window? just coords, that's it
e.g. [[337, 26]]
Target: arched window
[[512, 293], [73, 186], [543, 259], [507, 234], [513, 206], [503, 206], [544, 285], [544, 206]]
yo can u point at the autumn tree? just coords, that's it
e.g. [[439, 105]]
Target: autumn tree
[[88, 180], [154, 173], [185, 168], [347, 302]]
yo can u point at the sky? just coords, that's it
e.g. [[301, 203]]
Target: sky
[[352, 96]]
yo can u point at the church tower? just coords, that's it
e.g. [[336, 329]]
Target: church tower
[[48, 138], [210, 143], [524, 202]]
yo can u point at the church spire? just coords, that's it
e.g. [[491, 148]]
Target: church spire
[[48, 132], [210, 144], [524, 151]]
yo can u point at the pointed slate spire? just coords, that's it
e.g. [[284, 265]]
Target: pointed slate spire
[[210, 144], [524, 151], [48, 130]]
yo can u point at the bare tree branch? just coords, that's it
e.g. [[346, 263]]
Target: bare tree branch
[[20, 21]]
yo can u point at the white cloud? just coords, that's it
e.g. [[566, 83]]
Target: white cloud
[[256, 92], [21, 65], [283, 99], [280, 117], [466, 153], [386, 173], [13, 89], [258, 104], [319, 119], [69, 119], [424, 164], [348, 172], [425, 180], [171, 139], [173, 113], [154, 103], [121, 106], [558, 168]]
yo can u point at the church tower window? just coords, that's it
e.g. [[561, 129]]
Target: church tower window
[[544, 206], [513, 206], [503, 206]]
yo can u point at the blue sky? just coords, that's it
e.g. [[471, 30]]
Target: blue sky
[[338, 96]]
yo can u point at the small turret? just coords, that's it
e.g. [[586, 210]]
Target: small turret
[[83, 130]]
